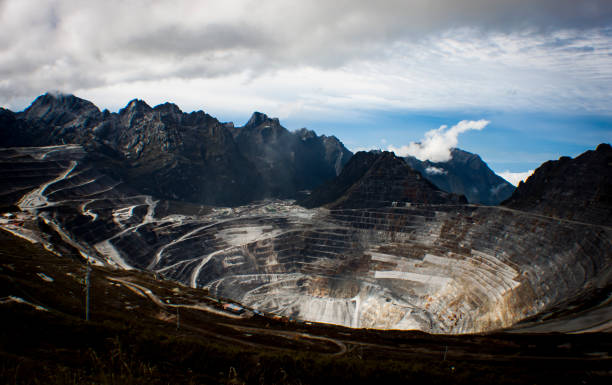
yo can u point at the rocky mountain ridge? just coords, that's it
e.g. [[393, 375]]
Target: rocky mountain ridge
[[175, 155], [185, 156], [465, 174], [378, 179], [577, 189]]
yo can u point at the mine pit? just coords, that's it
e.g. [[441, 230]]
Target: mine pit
[[438, 268]]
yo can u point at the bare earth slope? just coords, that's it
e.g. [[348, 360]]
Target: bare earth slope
[[146, 330]]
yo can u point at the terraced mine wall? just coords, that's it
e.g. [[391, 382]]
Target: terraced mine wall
[[436, 268]]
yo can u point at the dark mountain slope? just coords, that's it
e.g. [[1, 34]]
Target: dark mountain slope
[[289, 161], [372, 179], [465, 174], [579, 189], [175, 155], [15, 132]]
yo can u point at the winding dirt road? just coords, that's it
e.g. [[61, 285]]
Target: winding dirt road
[[291, 335]]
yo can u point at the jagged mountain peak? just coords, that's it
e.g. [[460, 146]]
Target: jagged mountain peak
[[378, 179], [61, 109], [189, 156], [305, 134], [259, 118], [460, 155], [578, 189], [603, 148], [57, 98], [135, 105], [168, 107], [466, 174]]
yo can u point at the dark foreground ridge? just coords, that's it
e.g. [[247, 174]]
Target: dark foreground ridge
[[144, 330]]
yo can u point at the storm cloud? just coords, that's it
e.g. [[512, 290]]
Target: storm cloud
[[439, 51]]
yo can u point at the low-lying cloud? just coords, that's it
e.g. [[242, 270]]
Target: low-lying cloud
[[431, 170], [437, 144], [515, 177]]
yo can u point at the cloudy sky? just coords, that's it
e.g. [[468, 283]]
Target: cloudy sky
[[518, 82]]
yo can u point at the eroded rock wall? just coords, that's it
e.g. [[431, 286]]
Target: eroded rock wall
[[442, 268]]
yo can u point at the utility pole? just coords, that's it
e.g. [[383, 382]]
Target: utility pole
[[178, 319], [87, 285]]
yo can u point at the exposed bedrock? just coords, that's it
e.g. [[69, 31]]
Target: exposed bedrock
[[444, 268], [579, 189], [452, 270]]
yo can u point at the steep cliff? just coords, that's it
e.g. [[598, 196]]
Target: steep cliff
[[289, 161], [579, 189]]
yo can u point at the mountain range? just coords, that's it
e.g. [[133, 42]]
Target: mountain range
[[175, 155], [193, 157], [378, 246], [465, 174], [378, 179]]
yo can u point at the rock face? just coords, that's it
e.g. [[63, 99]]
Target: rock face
[[579, 189], [378, 179], [465, 174], [174, 155], [289, 161]]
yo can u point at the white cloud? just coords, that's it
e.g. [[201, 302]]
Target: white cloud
[[515, 177], [435, 170], [437, 144], [344, 56]]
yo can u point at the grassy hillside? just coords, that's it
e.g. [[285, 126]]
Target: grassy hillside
[[132, 339]]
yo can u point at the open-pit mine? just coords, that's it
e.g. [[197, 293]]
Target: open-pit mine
[[439, 268]]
